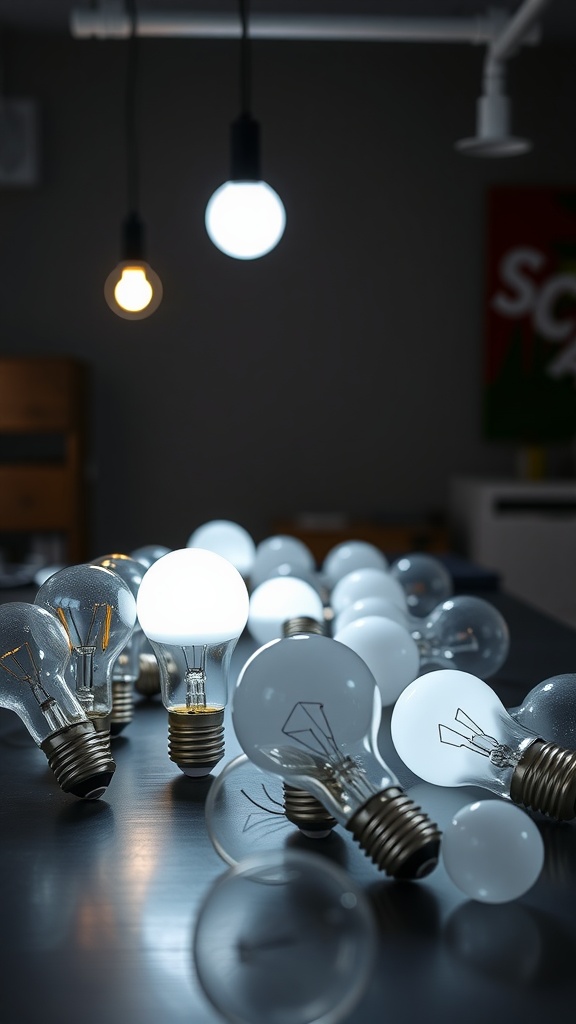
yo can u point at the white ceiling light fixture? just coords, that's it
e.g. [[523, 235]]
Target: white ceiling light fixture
[[245, 218]]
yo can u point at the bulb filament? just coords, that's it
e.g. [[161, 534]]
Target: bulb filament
[[30, 675], [195, 679], [475, 739], [99, 624]]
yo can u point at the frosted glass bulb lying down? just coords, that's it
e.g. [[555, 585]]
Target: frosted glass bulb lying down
[[34, 655], [451, 729], [367, 582], [307, 708], [348, 556], [193, 605], [550, 709], [281, 555], [465, 632], [277, 600], [228, 539], [387, 648]]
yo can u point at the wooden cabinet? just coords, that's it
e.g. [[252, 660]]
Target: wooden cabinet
[[393, 538]]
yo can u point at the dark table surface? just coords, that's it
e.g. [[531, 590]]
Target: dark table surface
[[98, 900]]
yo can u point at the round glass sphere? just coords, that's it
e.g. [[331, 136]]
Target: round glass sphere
[[425, 580], [278, 599], [493, 851], [549, 710], [228, 539], [387, 648], [365, 606], [367, 582], [245, 219], [350, 555], [149, 553], [465, 632], [282, 555], [284, 938]]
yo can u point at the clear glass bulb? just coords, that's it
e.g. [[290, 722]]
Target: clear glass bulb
[[550, 709], [425, 580], [464, 632], [193, 605], [492, 851], [149, 553], [228, 539], [349, 555], [451, 729], [387, 648], [34, 656], [307, 708], [245, 219], [278, 599], [366, 582], [98, 611], [282, 555]]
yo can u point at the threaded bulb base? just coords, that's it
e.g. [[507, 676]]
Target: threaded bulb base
[[148, 682], [398, 837], [196, 739], [302, 624], [81, 760], [122, 706], [545, 780], [307, 813]]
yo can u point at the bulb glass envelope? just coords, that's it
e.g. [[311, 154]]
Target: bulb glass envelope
[[133, 290], [245, 219]]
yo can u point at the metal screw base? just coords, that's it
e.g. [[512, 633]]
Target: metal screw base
[[302, 624], [396, 834], [80, 758], [196, 739], [148, 682], [545, 780], [306, 811], [122, 706]]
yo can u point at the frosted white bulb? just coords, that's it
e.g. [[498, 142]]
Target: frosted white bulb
[[281, 554], [277, 600], [350, 555], [425, 580], [464, 632], [34, 656], [367, 582], [451, 729], [550, 709], [371, 606], [492, 851], [307, 708], [228, 539], [245, 219], [387, 648]]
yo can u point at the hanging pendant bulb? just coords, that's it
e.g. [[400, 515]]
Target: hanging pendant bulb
[[133, 290], [245, 218]]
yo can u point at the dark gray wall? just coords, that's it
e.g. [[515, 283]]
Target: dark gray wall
[[342, 372]]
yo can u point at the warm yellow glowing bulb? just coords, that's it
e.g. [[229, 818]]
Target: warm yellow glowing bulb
[[133, 291]]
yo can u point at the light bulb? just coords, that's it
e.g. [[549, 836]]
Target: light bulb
[[492, 851], [281, 555], [126, 668], [451, 729], [366, 582], [277, 600], [425, 580], [349, 555], [149, 553], [464, 632], [34, 655], [245, 219], [228, 539], [98, 611], [387, 648], [365, 606], [307, 708], [193, 605], [133, 290], [550, 709]]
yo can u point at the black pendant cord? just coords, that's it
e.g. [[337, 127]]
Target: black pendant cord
[[133, 227], [245, 61]]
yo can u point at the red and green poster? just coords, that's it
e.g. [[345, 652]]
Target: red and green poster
[[530, 366]]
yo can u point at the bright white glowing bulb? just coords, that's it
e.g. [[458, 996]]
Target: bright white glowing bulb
[[228, 539], [492, 851], [387, 648], [350, 555], [245, 219], [133, 291], [367, 582], [278, 599]]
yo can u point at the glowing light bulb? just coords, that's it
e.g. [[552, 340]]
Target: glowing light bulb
[[464, 632], [98, 612], [451, 729], [133, 290], [366, 582], [281, 555], [387, 648], [34, 655], [277, 600], [245, 219], [349, 555], [193, 605], [307, 708], [228, 539], [550, 709], [280, 916], [126, 668], [425, 580], [492, 851]]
